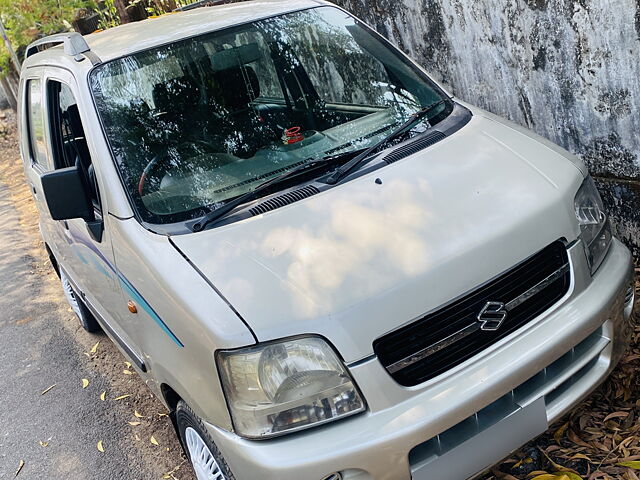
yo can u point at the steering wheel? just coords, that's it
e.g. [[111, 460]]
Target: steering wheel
[[158, 159], [147, 170]]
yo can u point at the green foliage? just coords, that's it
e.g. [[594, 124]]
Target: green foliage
[[26, 20], [108, 15]]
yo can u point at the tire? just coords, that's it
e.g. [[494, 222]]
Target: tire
[[87, 320], [207, 461]]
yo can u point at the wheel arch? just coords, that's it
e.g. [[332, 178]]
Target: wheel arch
[[170, 396], [52, 259]]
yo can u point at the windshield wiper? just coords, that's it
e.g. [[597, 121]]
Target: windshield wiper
[[312, 164], [218, 213], [366, 155]]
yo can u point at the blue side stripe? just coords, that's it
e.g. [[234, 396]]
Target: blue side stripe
[[130, 289]]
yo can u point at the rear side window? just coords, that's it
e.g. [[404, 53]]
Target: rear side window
[[36, 123]]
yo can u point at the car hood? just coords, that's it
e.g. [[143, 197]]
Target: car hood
[[364, 258]]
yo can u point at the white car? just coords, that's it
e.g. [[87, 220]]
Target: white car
[[323, 264]]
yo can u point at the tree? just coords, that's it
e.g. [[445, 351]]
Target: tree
[[130, 11], [26, 20]]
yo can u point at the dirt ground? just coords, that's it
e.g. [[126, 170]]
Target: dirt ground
[[590, 443], [147, 414]]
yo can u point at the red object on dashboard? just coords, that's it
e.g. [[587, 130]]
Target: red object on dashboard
[[293, 135]]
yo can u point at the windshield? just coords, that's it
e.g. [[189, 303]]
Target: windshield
[[197, 122]]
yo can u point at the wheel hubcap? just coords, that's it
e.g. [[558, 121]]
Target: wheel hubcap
[[204, 463], [69, 293]]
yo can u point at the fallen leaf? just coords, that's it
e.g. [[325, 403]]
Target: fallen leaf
[[20, 467], [580, 455], [134, 424], [162, 415], [502, 475], [135, 412], [615, 415], [127, 364], [94, 349], [524, 461], [553, 476], [127, 372], [85, 383], [635, 465], [43, 444], [170, 473], [122, 397], [103, 395], [631, 475], [560, 432], [570, 475], [557, 467], [100, 447], [48, 389], [576, 439], [153, 440]]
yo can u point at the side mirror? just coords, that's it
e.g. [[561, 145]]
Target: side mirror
[[67, 195]]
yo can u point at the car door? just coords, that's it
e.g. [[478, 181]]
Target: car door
[[33, 144], [85, 248]]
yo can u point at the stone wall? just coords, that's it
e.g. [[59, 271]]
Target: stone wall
[[567, 69]]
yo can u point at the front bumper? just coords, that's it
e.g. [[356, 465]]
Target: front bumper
[[448, 427]]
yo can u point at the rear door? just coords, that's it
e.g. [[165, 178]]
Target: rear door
[[33, 143]]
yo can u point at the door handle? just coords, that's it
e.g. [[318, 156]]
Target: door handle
[[65, 224]]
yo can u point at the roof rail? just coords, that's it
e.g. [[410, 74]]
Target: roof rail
[[74, 45]]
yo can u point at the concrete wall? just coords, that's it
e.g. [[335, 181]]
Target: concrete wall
[[567, 69]]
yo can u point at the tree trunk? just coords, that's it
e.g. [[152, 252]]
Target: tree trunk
[[8, 93], [166, 5], [130, 11]]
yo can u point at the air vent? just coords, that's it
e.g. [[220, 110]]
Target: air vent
[[282, 200], [414, 147]]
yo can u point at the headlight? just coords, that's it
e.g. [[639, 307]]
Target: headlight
[[286, 386], [595, 230]]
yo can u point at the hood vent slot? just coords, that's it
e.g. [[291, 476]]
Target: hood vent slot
[[414, 147], [282, 200]]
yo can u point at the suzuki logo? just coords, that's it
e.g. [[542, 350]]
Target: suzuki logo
[[491, 316]]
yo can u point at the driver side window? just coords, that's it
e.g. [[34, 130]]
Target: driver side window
[[69, 144]]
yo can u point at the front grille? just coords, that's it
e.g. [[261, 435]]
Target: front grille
[[454, 333], [552, 382]]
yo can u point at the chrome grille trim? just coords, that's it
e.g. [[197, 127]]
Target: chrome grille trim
[[468, 330], [462, 328]]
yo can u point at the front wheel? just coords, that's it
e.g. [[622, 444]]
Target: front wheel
[[87, 320], [206, 459]]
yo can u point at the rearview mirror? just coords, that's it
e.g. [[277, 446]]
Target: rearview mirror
[[67, 195]]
